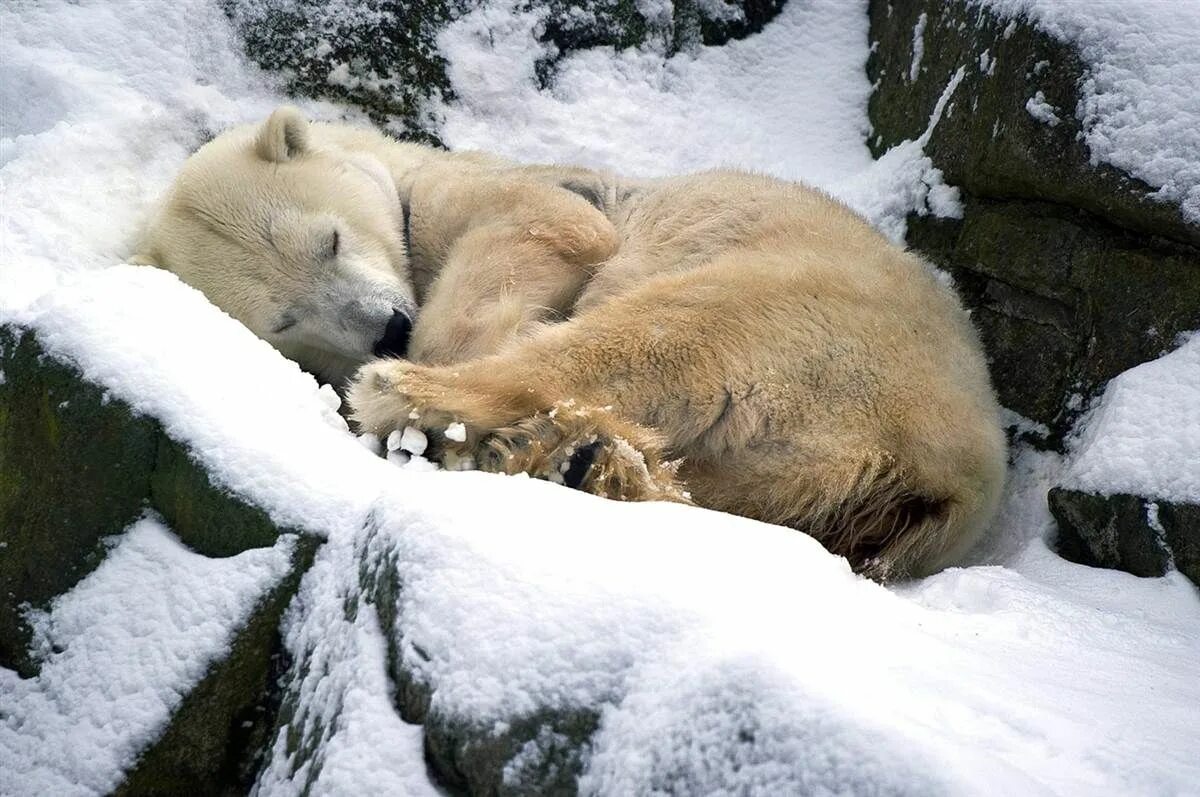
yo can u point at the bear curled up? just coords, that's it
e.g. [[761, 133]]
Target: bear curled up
[[738, 341]]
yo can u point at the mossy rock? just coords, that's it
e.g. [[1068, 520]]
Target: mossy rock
[[1073, 272], [75, 467], [987, 142], [1062, 300]]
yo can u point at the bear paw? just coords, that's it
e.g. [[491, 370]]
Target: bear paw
[[585, 449], [389, 396]]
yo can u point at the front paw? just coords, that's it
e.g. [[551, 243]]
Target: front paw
[[388, 397], [585, 449]]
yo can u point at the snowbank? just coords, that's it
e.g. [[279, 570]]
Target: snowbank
[[718, 652]]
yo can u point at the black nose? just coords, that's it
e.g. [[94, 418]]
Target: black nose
[[394, 342]]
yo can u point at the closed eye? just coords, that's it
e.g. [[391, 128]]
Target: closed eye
[[285, 323]]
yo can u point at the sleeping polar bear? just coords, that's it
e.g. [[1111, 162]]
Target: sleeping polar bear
[[727, 338]]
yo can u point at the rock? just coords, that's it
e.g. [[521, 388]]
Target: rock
[[77, 465], [539, 753], [1062, 301], [1127, 532], [1072, 272], [382, 55], [216, 739], [1181, 524]]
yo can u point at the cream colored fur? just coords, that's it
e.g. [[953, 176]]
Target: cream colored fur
[[743, 341]]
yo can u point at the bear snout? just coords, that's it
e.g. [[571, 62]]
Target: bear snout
[[394, 342]]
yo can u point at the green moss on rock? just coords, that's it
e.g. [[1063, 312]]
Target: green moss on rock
[[75, 467], [1063, 301], [207, 517], [987, 142]]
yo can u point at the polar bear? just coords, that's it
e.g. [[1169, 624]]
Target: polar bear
[[730, 339]]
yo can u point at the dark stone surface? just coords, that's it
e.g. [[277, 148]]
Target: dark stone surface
[[382, 55], [1108, 531], [385, 51], [1063, 301], [207, 517], [1181, 524], [542, 753], [1072, 272], [987, 142], [74, 468], [1127, 532]]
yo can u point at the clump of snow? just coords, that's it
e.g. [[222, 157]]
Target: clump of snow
[[1144, 436], [118, 653], [1041, 110], [1139, 105], [413, 440], [456, 432]]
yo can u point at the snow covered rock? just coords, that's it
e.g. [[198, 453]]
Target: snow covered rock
[[385, 57], [1077, 249], [1130, 496]]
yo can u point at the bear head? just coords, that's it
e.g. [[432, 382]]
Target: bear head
[[300, 240]]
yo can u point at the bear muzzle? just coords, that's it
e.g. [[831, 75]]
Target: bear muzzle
[[394, 342]]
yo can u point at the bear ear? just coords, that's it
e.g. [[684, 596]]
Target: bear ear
[[283, 136]]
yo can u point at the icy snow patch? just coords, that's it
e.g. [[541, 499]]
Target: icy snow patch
[[1144, 437], [1139, 105], [119, 652]]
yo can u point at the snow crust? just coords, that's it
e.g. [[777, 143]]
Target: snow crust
[[1139, 105], [721, 653], [119, 652]]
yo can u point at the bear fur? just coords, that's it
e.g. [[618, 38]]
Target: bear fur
[[731, 339]]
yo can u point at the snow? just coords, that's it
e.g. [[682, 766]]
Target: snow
[[1041, 110], [413, 440], [720, 653], [118, 653], [918, 47], [1144, 435], [1139, 106]]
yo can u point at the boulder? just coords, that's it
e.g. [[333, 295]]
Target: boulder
[[1127, 532], [1072, 270], [78, 466]]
